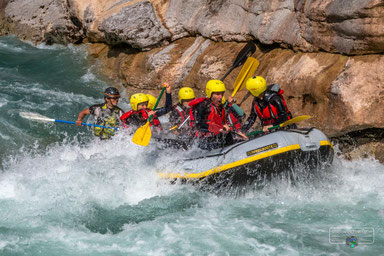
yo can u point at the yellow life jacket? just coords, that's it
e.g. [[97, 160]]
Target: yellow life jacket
[[107, 117]]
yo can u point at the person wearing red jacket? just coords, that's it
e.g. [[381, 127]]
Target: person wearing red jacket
[[268, 104], [179, 116], [210, 117], [139, 114]]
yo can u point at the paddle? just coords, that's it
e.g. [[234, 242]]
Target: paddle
[[246, 72], [248, 50], [143, 134], [177, 126], [41, 118], [291, 121]]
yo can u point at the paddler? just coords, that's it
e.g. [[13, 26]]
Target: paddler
[[268, 104], [210, 117], [140, 112], [106, 114], [180, 114]]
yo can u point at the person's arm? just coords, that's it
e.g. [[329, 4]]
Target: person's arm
[[81, 115], [168, 106], [239, 112], [250, 120], [232, 104], [168, 100]]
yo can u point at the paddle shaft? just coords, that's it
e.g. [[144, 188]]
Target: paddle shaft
[[257, 132], [291, 121], [85, 124], [184, 122], [157, 102], [179, 126]]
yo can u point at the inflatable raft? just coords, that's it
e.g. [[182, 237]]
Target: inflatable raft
[[253, 160]]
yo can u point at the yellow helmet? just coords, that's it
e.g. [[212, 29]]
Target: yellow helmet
[[186, 93], [138, 98], [256, 85], [214, 86], [151, 101]]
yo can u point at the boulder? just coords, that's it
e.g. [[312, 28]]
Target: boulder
[[136, 25], [42, 21]]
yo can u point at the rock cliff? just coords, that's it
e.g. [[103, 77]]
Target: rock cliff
[[326, 54]]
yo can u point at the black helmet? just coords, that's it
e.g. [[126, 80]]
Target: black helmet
[[111, 92]]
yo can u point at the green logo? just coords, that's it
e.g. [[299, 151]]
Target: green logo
[[351, 241]]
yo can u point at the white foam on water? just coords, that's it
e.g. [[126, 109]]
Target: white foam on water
[[62, 185], [3, 102], [44, 46], [11, 48], [88, 77], [51, 97], [107, 172], [7, 190]]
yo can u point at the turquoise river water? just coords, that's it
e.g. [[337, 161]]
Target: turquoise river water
[[63, 192]]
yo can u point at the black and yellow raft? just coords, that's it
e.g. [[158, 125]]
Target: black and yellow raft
[[253, 160]]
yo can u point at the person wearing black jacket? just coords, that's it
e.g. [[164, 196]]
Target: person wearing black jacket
[[268, 104]]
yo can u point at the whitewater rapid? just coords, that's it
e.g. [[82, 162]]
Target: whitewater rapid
[[64, 192]]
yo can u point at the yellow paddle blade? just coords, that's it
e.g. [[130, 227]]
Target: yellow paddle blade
[[142, 135], [246, 72], [295, 120]]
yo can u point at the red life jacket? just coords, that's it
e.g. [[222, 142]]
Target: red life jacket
[[269, 114], [233, 122], [143, 115], [215, 116]]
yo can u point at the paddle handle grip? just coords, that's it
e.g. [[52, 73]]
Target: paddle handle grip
[[85, 124]]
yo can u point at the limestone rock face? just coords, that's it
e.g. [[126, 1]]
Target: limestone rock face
[[136, 25], [342, 93], [349, 27], [42, 21], [336, 26]]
